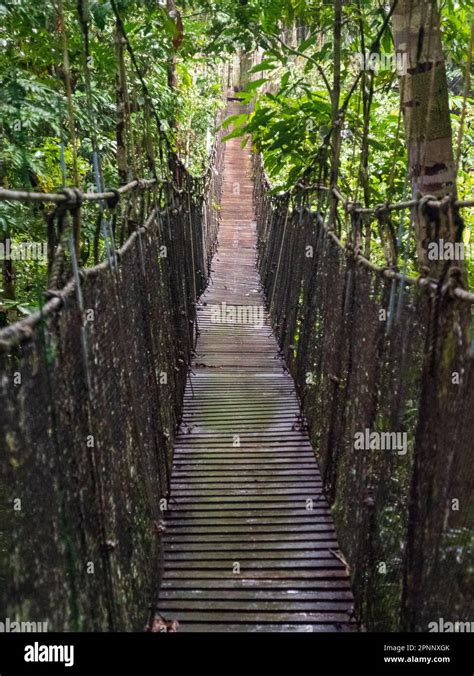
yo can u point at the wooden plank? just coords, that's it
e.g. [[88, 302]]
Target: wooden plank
[[208, 531], [246, 458], [251, 496], [229, 451], [246, 565], [255, 627], [257, 545], [209, 556], [342, 608], [254, 585], [219, 511], [243, 463], [259, 493], [260, 617], [245, 536], [274, 474], [244, 595], [265, 485], [275, 524]]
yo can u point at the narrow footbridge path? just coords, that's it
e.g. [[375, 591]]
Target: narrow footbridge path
[[250, 542]]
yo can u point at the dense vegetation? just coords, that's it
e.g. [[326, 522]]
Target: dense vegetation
[[292, 95], [135, 63], [39, 150]]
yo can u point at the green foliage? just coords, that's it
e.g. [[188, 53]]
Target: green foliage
[[289, 96], [34, 118]]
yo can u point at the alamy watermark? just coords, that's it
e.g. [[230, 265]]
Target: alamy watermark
[[442, 626], [375, 62], [23, 251], [250, 315], [9, 626], [450, 251], [368, 440]]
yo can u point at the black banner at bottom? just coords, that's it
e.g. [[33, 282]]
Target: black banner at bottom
[[69, 653]]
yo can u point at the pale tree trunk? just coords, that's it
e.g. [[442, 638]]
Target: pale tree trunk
[[175, 15], [425, 105], [246, 64], [171, 9]]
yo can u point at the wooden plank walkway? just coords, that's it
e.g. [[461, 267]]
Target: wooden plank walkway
[[243, 549]]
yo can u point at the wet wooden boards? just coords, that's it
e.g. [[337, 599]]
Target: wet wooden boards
[[250, 543]]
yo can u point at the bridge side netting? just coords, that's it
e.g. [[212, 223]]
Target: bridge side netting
[[87, 420], [385, 374]]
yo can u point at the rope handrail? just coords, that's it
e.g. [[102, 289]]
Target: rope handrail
[[60, 197], [350, 206], [421, 281], [12, 335], [388, 272], [11, 195], [142, 184]]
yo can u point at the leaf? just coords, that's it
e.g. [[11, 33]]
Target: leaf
[[245, 97], [235, 133], [168, 23], [264, 65], [99, 13], [255, 84], [378, 145], [311, 40], [237, 120], [27, 309], [284, 80], [299, 6]]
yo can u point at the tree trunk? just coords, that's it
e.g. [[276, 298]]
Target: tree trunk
[[336, 93], [120, 124], [8, 283], [8, 274], [425, 105], [171, 68], [177, 40]]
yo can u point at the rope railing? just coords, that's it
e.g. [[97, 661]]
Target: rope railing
[[351, 207], [303, 194], [384, 369], [91, 389], [422, 281], [78, 195], [12, 335]]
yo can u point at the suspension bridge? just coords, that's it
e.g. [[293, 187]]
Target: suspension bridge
[[178, 421], [251, 543]]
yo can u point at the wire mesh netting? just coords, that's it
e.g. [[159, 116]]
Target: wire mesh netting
[[89, 403], [385, 371]]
